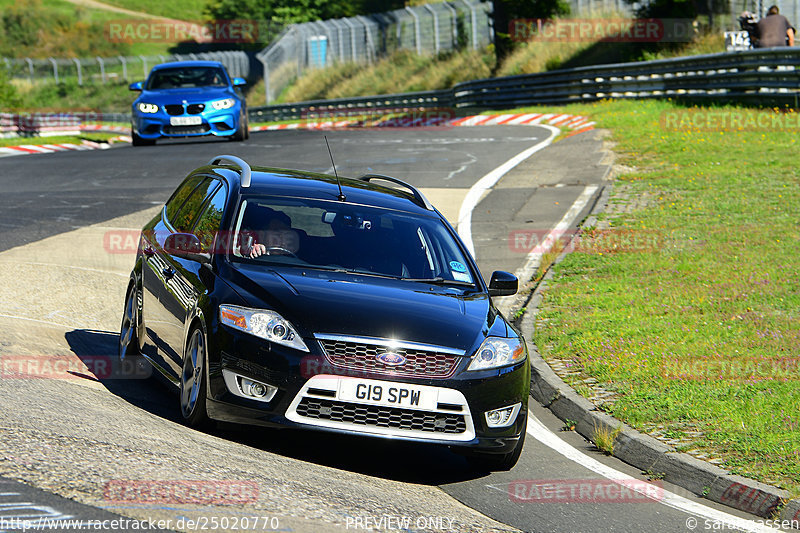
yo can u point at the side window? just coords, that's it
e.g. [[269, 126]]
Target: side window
[[180, 196], [208, 224], [189, 211]]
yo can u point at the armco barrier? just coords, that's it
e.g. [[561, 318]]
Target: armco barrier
[[768, 76]]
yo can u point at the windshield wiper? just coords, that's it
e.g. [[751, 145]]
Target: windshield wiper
[[441, 281]]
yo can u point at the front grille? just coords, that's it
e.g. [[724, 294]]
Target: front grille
[[385, 417], [185, 130], [363, 356], [174, 109], [195, 109]]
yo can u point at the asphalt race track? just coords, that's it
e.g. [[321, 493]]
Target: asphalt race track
[[62, 293]]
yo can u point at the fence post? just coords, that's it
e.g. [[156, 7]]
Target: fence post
[[370, 43], [265, 68], [352, 28], [144, 65], [454, 35], [339, 36], [55, 68], [435, 27], [416, 30], [102, 68], [124, 67], [29, 61], [78, 65], [474, 22]]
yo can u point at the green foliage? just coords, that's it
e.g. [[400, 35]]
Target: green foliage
[[294, 11], [32, 29], [9, 99]]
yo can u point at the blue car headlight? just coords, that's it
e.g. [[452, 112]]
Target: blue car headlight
[[144, 107], [496, 352], [262, 323], [226, 103]]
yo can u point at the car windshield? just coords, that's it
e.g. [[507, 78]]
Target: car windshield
[[184, 77], [339, 236]]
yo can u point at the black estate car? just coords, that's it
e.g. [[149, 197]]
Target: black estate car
[[286, 298]]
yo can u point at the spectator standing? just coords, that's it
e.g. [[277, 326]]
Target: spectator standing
[[775, 30]]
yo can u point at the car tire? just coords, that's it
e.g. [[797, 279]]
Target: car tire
[[499, 462], [138, 141], [193, 380], [128, 345], [242, 131]]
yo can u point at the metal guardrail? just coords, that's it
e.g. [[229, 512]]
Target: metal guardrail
[[771, 76]]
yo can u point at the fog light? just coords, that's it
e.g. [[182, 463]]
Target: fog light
[[503, 417], [248, 388]]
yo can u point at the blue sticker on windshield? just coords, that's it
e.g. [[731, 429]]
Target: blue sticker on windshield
[[455, 266]]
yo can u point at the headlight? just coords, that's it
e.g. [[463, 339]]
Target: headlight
[[496, 352], [223, 104], [268, 325], [144, 107]]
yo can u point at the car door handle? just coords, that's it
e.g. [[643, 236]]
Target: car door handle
[[168, 272]]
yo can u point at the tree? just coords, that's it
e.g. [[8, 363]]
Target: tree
[[506, 11]]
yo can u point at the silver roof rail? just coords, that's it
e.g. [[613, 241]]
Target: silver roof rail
[[418, 196], [243, 166]]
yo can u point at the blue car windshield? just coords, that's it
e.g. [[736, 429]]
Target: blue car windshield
[[328, 235], [186, 77]]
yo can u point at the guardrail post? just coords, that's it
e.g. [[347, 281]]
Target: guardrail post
[[417, 41], [29, 61], [55, 68], [473, 17], [435, 27], [102, 68], [78, 65], [124, 67]]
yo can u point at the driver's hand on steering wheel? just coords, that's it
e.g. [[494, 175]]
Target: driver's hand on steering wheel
[[257, 250]]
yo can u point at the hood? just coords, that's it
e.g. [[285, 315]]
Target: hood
[[348, 304], [194, 94]]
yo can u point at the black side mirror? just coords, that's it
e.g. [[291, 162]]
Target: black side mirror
[[187, 246], [503, 284]]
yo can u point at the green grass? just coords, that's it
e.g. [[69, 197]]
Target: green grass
[[686, 332], [69, 96], [191, 10]]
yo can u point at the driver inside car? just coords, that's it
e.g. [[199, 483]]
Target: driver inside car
[[272, 233]]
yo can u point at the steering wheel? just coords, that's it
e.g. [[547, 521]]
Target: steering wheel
[[281, 249]]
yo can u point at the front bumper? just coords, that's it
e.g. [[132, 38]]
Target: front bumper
[[309, 396], [156, 125]]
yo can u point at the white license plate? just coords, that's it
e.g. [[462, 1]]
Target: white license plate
[[185, 121], [388, 394]]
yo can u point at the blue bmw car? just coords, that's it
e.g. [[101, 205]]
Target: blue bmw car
[[188, 99]]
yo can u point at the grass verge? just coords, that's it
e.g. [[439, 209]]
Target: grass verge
[[60, 139], [691, 316]]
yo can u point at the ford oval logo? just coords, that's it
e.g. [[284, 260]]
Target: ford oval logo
[[391, 358]]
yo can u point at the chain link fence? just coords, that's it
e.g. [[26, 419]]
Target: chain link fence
[[430, 28], [120, 68]]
